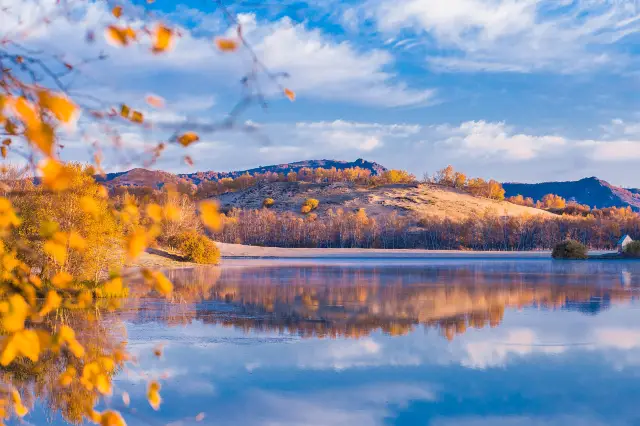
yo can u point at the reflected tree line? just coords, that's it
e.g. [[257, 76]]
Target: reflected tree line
[[357, 303]]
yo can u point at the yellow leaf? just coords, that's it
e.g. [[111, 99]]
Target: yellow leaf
[[55, 176], [154, 212], [26, 112], [119, 36], [124, 111], [137, 243], [3, 151], [188, 138], [117, 11], [51, 303], [162, 284], [89, 205], [137, 117], [14, 310], [76, 241], [111, 418], [112, 288], [38, 133], [56, 250], [61, 280], [68, 336], [226, 44], [171, 212], [209, 215], [62, 108], [18, 407], [67, 377], [162, 39], [290, 94], [7, 214], [42, 137], [22, 343], [153, 395]]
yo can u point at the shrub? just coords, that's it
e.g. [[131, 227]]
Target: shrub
[[570, 249], [632, 249], [309, 204], [196, 247], [268, 202]]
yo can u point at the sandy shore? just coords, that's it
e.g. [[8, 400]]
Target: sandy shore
[[243, 251]]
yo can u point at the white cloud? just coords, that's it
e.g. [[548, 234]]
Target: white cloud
[[490, 139], [333, 70], [342, 135], [319, 66], [516, 36], [516, 342]]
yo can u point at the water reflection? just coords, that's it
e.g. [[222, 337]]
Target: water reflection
[[345, 301], [444, 342]]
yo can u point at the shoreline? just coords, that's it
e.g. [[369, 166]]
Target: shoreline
[[160, 259], [241, 251]]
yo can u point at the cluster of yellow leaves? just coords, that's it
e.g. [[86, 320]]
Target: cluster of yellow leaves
[[39, 111]]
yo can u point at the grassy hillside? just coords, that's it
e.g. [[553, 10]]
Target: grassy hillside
[[419, 199]]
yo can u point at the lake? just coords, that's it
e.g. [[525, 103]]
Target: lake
[[386, 342]]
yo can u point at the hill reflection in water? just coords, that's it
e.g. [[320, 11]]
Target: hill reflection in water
[[329, 301]]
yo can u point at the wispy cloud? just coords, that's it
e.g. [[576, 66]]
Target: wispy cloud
[[515, 36]]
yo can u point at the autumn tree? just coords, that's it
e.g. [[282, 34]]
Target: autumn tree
[[59, 231]]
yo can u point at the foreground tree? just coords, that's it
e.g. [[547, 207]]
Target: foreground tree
[[60, 237]]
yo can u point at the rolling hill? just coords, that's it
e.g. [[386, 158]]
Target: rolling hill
[[591, 191], [419, 199]]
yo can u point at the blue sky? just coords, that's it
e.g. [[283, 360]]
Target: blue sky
[[517, 90]]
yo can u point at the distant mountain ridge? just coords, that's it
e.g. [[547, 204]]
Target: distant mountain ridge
[[591, 191], [285, 168], [157, 178]]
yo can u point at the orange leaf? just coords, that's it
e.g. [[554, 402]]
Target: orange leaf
[[155, 101], [124, 111], [137, 117], [226, 44], [290, 94], [117, 35], [163, 39], [153, 395], [117, 11], [188, 138], [62, 108]]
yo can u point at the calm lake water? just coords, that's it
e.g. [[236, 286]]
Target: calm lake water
[[400, 342]]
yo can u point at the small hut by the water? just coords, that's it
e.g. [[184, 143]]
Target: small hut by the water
[[624, 241]]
